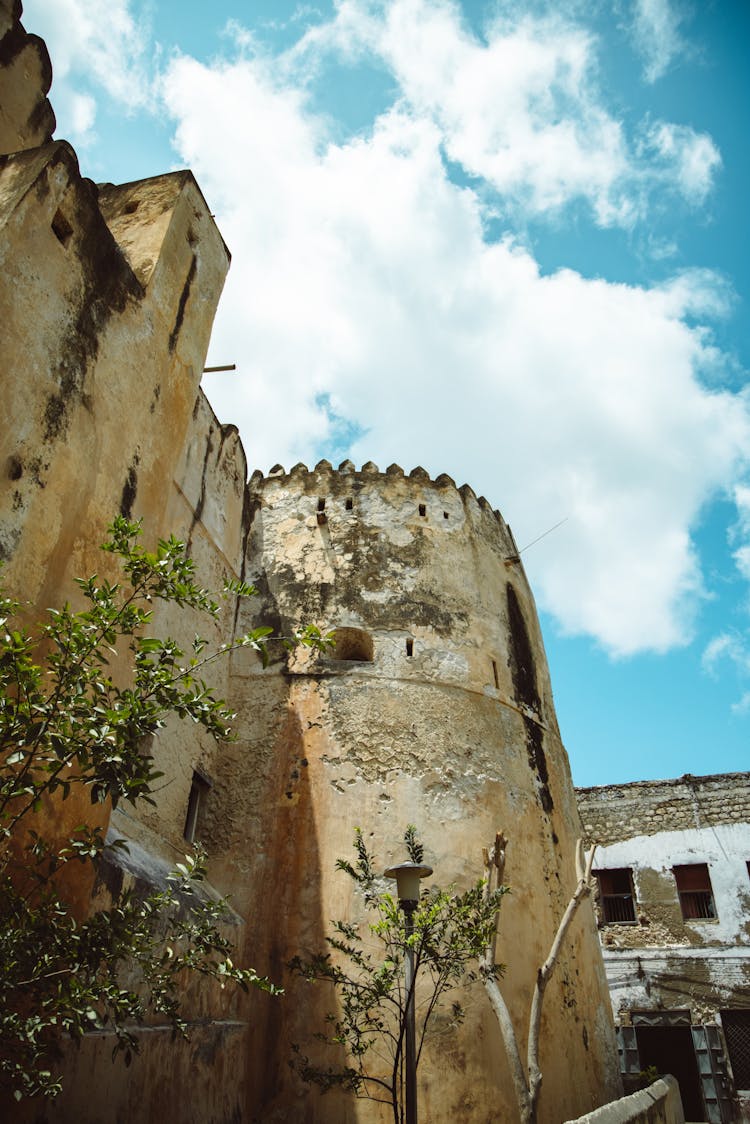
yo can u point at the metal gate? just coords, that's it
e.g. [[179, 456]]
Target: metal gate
[[713, 1073]]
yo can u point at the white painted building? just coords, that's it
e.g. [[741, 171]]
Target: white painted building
[[673, 869]]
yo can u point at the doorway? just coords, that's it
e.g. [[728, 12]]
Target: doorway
[[670, 1050]]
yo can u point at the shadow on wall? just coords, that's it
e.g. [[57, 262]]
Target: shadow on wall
[[288, 899]]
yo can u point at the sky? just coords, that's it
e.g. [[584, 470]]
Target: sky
[[506, 241]]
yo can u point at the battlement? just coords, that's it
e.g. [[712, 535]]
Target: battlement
[[443, 498]]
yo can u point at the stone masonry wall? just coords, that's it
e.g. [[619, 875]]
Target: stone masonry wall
[[611, 813]]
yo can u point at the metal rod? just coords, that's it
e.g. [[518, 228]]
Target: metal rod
[[411, 1037], [226, 367]]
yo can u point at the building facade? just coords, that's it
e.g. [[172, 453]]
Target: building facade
[[673, 870]]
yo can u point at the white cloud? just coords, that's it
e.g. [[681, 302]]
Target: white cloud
[[692, 158], [360, 272], [521, 108], [656, 32], [730, 648], [92, 43]]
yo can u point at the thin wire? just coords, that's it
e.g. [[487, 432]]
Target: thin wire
[[540, 537]]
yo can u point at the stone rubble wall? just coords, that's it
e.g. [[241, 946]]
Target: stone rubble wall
[[612, 813]]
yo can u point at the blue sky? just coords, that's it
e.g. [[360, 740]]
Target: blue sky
[[507, 241]]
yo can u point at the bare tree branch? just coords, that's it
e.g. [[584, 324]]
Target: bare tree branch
[[528, 1082]]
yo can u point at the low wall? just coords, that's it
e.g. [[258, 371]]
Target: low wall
[[659, 1104]]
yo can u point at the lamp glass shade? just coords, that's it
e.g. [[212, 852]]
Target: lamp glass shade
[[407, 877]]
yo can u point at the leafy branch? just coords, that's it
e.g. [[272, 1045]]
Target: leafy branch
[[80, 698]]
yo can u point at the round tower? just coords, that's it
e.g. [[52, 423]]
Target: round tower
[[433, 708]]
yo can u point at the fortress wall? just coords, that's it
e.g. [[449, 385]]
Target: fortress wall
[[429, 733]]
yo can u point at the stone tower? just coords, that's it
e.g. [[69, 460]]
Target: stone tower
[[434, 708]]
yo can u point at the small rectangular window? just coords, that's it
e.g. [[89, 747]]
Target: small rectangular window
[[616, 896], [410, 647], [198, 789], [423, 509], [349, 504], [695, 892], [321, 505]]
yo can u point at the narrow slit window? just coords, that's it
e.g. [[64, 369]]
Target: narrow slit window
[[410, 647], [695, 892], [423, 509], [198, 790], [349, 504], [321, 505], [495, 675]]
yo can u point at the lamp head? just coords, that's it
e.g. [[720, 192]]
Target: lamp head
[[407, 877]]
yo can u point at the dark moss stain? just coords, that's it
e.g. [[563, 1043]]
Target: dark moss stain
[[130, 489], [523, 673], [15, 468], [198, 511], [107, 284], [183, 304], [156, 397]]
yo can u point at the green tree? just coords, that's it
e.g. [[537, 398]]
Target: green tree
[[366, 970], [80, 695]]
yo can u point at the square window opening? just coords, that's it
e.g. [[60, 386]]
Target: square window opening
[[695, 892], [616, 898]]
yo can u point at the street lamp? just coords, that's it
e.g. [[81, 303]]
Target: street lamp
[[407, 877]]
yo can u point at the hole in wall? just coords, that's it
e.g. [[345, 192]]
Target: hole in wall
[[61, 228], [423, 509], [349, 504], [445, 515], [410, 647], [131, 207], [321, 505], [352, 644]]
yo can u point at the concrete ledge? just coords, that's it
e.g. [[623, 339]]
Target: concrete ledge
[[659, 1104]]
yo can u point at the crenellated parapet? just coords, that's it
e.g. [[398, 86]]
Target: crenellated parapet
[[26, 116], [438, 499]]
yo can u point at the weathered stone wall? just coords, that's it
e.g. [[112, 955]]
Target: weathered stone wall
[[611, 813], [450, 725], [664, 962], [107, 296], [26, 116]]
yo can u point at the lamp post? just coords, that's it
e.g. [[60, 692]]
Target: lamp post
[[407, 877]]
